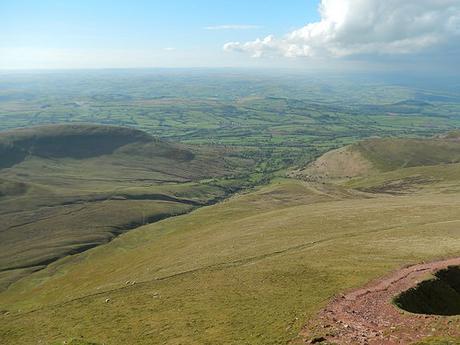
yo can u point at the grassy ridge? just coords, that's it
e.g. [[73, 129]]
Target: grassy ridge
[[77, 141], [67, 188], [391, 154], [394, 166], [250, 270]]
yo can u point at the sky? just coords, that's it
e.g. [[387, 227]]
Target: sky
[[307, 34]]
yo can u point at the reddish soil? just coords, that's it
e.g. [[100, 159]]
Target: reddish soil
[[367, 316]]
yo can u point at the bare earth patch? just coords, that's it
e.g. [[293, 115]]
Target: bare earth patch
[[368, 316]]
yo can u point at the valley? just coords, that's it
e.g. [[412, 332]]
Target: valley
[[230, 172], [65, 189], [254, 268]]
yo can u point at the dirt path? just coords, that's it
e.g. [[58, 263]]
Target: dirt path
[[367, 316]]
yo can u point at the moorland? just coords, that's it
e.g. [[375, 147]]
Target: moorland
[[224, 211]]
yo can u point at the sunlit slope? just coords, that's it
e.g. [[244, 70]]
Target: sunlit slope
[[342, 163], [250, 270], [67, 188], [391, 154], [402, 166], [416, 160]]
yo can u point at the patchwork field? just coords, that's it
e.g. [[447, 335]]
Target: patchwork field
[[215, 215], [284, 119]]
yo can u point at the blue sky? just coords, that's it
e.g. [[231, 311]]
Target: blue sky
[[307, 34], [155, 33]]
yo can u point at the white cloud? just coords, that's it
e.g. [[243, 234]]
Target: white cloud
[[354, 27], [233, 27], [169, 49]]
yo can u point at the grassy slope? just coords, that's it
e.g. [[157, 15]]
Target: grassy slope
[[402, 166], [391, 154], [250, 270], [72, 187], [389, 165], [247, 271]]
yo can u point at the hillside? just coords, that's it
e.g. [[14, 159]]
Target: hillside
[[59, 141], [274, 256], [392, 154], [373, 156], [342, 163], [67, 188]]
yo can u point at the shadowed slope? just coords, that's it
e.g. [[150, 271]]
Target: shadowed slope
[[71, 141], [437, 296], [67, 188]]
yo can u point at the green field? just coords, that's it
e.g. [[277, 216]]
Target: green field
[[287, 118]]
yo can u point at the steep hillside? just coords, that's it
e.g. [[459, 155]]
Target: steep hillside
[[251, 270], [64, 189]]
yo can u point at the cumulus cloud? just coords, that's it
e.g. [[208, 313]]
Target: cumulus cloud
[[357, 27]]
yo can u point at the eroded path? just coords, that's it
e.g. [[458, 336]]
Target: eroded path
[[367, 316]]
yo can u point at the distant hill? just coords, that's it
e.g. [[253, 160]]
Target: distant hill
[[67, 188], [383, 155], [104, 147], [72, 141], [405, 107], [391, 154]]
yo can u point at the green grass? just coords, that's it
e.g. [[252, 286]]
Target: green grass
[[250, 270], [288, 118], [60, 196], [391, 154], [76, 342]]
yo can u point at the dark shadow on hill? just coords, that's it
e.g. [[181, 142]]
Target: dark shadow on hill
[[71, 141], [437, 296]]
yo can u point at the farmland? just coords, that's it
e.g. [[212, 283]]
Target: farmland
[[172, 207], [287, 118]]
